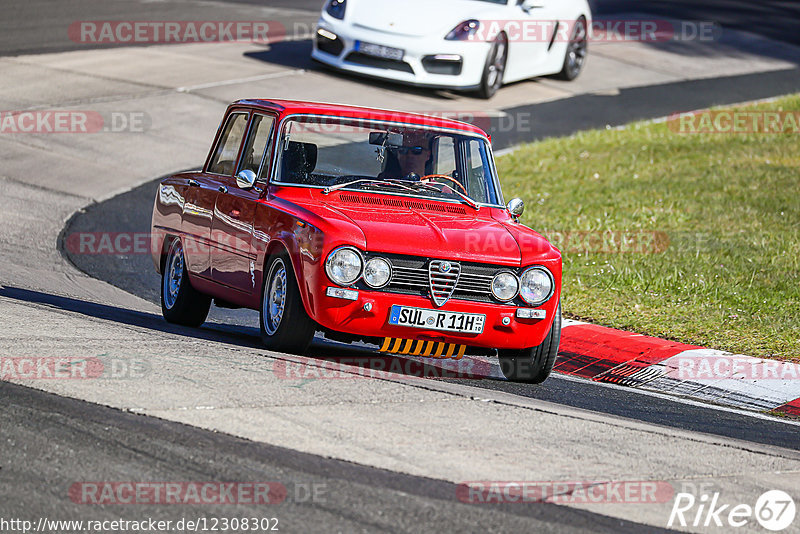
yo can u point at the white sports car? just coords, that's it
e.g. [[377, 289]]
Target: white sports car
[[454, 44]]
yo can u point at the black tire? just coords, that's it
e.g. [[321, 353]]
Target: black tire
[[180, 302], [291, 329], [577, 52], [495, 67], [535, 364]]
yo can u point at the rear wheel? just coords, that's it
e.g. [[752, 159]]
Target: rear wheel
[[533, 365], [285, 325], [577, 50], [180, 302], [495, 67]]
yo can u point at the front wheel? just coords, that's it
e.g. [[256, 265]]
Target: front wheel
[[577, 50], [180, 302], [495, 67], [533, 365], [285, 325]]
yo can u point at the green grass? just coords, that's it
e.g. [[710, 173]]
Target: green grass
[[729, 277]]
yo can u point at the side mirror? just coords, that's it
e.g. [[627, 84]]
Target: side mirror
[[516, 207], [246, 179]]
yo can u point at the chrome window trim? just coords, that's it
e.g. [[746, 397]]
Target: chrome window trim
[[267, 148], [246, 112]]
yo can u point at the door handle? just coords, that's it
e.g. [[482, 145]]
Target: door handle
[[222, 189], [194, 183]]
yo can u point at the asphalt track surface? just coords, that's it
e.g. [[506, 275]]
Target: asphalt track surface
[[36, 26], [57, 441]]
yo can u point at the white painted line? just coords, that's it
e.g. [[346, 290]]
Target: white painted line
[[236, 81], [507, 151]]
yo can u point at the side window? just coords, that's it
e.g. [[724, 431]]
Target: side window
[[445, 156], [477, 172], [257, 143], [224, 160]]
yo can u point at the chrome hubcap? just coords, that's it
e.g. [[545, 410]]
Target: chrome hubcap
[[274, 303], [576, 54], [173, 275], [498, 64]]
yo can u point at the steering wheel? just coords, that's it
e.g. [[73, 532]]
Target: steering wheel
[[429, 177]]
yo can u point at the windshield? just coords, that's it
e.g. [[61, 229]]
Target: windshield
[[333, 153]]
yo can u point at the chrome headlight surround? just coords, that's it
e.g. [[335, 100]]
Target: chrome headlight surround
[[464, 30], [388, 272], [526, 280], [517, 285], [342, 252], [336, 8]]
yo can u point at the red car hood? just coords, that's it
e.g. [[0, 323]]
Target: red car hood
[[473, 236]]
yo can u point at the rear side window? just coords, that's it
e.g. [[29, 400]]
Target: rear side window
[[479, 173], [444, 156], [257, 143], [224, 160]]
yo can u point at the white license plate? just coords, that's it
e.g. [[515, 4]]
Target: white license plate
[[386, 52], [469, 323]]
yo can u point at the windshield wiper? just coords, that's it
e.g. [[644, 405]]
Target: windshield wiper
[[332, 188], [471, 203], [398, 183]]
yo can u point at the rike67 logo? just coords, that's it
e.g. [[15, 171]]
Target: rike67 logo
[[774, 510]]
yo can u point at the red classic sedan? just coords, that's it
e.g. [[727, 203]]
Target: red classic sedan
[[363, 224]]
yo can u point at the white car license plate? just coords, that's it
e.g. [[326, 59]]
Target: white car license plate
[[470, 323], [386, 52]]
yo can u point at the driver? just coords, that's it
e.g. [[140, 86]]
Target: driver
[[409, 161], [413, 161]]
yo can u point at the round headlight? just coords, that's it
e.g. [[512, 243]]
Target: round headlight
[[344, 266], [505, 286], [377, 272], [536, 286]]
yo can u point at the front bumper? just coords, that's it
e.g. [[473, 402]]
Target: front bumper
[[368, 316], [411, 70]]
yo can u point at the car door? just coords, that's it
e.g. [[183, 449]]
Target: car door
[[530, 35], [201, 195], [233, 263]]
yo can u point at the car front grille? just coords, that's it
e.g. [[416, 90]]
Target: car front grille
[[378, 62], [421, 276]]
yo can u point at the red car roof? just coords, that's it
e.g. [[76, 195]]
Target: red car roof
[[287, 107]]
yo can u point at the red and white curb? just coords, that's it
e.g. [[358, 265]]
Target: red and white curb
[[613, 356], [650, 364]]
